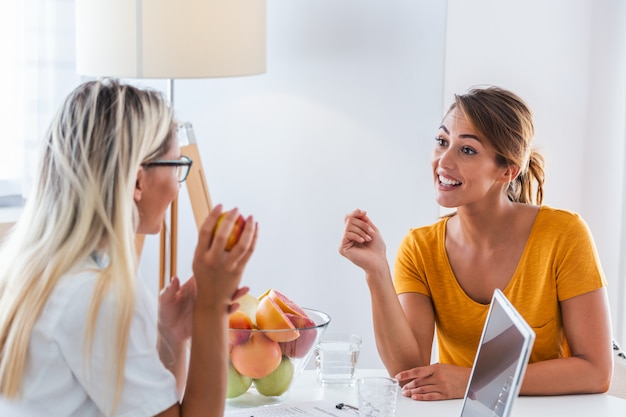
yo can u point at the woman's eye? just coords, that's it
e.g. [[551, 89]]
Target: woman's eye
[[468, 151], [441, 141]]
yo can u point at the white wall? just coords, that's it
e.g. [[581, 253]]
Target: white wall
[[345, 115], [567, 59], [342, 119]]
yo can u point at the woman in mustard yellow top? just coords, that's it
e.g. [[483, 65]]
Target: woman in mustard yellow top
[[543, 259]]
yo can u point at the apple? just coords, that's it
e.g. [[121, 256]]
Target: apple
[[248, 303], [239, 320], [278, 381], [299, 347], [236, 231], [237, 383], [256, 358]]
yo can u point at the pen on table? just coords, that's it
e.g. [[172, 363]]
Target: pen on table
[[341, 406]]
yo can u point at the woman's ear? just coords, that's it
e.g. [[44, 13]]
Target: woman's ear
[[139, 185], [511, 172]]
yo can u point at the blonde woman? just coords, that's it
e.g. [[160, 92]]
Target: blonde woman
[[500, 236], [78, 336]]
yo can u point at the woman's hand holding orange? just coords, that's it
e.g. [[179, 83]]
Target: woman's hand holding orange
[[218, 271]]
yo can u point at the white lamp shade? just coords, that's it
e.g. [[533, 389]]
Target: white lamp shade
[[170, 38]]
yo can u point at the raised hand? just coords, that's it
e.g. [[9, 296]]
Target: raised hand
[[362, 243], [217, 271], [176, 309]]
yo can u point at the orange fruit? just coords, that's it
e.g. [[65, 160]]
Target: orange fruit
[[269, 316], [286, 304], [236, 231]]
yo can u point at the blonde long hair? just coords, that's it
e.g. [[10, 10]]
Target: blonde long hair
[[82, 203]]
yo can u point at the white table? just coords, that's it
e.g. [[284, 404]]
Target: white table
[[306, 388]]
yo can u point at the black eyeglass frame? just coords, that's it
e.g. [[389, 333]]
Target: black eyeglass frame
[[184, 161]]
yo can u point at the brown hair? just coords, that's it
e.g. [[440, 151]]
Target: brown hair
[[505, 121]]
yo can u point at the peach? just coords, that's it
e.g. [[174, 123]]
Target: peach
[[239, 320], [256, 358], [236, 231], [269, 316], [299, 347]]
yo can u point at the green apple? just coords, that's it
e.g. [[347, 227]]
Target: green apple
[[278, 381], [237, 383]]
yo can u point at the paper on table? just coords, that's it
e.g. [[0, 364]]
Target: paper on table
[[304, 409]]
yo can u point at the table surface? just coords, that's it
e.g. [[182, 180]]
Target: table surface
[[306, 388]]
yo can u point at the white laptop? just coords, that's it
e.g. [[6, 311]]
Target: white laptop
[[500, 362]]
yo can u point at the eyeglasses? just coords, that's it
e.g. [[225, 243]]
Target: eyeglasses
[[182, 166]]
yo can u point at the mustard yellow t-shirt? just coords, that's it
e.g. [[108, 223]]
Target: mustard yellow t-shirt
[[559, 261]]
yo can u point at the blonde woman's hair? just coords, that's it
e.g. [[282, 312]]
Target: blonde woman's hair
[[505, 121], [82, 204]]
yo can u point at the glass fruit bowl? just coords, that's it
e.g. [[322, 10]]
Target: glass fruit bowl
[[263, 364]]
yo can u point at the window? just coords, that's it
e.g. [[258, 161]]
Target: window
[[37, 39]]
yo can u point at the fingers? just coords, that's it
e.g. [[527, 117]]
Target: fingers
[[223, 233], [418, 373], [169, 291], [359, 227], [434, 382], [189, 286], [421, 385], [247, 240], [358, 213], [240, 292], [205, 234], [420, 394], [209, 237], [218, 271]]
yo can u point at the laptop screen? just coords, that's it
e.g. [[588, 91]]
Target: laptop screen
[[500, 362]]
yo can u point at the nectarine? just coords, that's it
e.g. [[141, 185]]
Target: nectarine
[[256, 358], [239, 320], [236, 231]]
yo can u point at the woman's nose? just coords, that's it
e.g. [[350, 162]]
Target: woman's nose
[[445, 158]]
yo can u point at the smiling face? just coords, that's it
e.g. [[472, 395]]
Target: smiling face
[[464, 165], [157, 187]]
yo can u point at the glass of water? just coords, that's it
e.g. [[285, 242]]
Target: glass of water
[[336, 357]]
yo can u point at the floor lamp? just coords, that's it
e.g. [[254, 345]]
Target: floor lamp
[[166, 39]]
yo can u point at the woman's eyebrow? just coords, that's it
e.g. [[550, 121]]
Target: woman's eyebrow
[[462, 135], [469, 136]]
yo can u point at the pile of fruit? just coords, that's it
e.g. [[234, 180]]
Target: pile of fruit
[[267, 334]]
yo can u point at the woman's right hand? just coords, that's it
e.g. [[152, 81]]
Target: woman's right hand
[[217, 271], [362, 243]]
